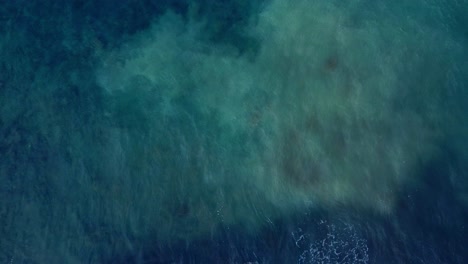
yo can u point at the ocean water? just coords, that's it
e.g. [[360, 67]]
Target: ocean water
[[206, 131]]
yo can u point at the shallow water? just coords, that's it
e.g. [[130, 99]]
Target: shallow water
[[236, 132]]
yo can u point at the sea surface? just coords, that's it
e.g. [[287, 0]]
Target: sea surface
[[237, 131]]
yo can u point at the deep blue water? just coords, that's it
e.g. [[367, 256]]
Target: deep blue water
[[179, 131]]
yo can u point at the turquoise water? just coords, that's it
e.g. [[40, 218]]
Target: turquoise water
[[235, 132]]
